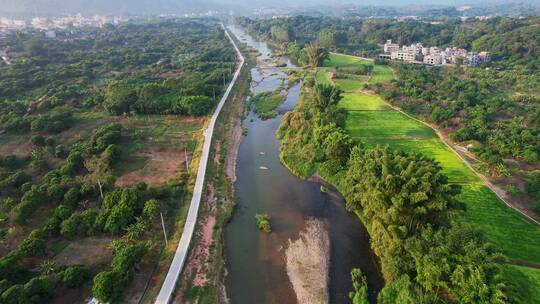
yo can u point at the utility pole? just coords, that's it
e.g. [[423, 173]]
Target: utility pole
[[100, 190], [164, 232], [187, 161]]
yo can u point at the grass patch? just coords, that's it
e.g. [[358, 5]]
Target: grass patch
[[322, 77], [362, 102], [266, 103], [349, 85], [341, 61], [381, 73], [509, 231], [527, 281]]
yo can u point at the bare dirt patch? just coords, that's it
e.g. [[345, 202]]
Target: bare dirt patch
[[161, 166], [19, 147], [88, 251]]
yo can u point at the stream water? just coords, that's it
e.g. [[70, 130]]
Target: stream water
[[255, 260]]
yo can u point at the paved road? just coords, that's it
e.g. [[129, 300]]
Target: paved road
[[167, 289]]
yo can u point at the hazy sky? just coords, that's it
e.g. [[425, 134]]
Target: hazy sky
[[39, 7]]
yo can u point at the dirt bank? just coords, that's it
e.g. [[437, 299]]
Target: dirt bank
[[308, 260]]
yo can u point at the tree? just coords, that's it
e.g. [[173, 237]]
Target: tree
[[400, 194], [196, 105], [151, 209], [325, 96], [280, 34], [360, 293], [326, 39], [74, 276], [107, 286], [263, 222], [118, 97], [47, 267], [315, 55]]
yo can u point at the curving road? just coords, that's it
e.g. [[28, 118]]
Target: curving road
[[168, 287]]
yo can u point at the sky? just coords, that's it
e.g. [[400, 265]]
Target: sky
[[48, 7]]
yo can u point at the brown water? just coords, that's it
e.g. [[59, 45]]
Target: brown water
[[255, 260]]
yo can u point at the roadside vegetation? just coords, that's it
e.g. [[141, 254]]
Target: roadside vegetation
[[95, 130]]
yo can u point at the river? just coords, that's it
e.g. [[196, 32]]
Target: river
[[255, 260]]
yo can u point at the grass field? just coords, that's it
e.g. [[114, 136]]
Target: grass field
[[510, 232], [341, 61], [380, 73], [526, 279], [371, 121]]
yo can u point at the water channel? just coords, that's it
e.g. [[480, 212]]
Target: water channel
[[255, 260]]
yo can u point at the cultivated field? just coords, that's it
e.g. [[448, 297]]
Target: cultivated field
[[373, 122]]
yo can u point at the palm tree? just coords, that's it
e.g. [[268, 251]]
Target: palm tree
[[326, 95], [315, 55]]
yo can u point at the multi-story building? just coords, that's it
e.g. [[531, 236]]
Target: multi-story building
[[390, 47], [473, 59], [433, 59], [432, 55], [403, 56]]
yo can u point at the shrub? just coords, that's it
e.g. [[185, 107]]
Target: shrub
[[151, 209], [107, 287], [74, 276], [263, 222]]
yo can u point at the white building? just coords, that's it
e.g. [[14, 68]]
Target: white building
[[390, 47], [403, 56], [433, 59]]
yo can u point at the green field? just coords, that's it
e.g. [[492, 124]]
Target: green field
[[349, 85], [510, 232], [381, 73], [373, 122], [342, 61], [526, 279], [369, 102]]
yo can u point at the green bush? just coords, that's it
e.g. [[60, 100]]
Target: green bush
[[74, 276], [263, 222]]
